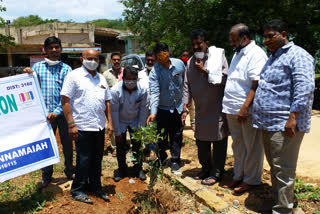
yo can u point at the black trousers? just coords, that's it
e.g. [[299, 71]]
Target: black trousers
[[215, 164], [121, 152], [89, 148], [67, 147], [172, 125]]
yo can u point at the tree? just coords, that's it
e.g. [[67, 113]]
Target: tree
[[107, 23], [31, 20], [172, 20], [5, 41]]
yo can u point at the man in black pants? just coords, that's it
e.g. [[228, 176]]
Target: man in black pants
[[166, 87], [86, 103], [211, 125]]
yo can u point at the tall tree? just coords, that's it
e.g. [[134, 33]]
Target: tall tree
[[172, 20], [31, 20], [109, 23], [5, 41]]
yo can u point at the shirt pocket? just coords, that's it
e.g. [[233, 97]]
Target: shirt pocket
[[277, 74]]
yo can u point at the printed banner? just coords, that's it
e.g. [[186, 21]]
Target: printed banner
[[27, 142]]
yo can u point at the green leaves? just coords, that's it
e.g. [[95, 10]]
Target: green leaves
[[171, 21]]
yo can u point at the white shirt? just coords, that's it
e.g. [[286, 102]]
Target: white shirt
[[245, 67], [128, 109], [143, 78], [88, 96]]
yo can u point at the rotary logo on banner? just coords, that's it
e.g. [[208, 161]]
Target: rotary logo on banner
[[27, 142]]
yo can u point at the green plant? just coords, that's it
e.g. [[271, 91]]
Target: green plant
[[305, 191], [316, 212], [148, 135], [177, 185]]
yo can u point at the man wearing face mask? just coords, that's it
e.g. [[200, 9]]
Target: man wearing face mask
[[242, 82], [51, 74], [129, 111], [114, 74], [86, 104], [211, 125], [282, 109], [143, 75], [166, 87], [185, 56]]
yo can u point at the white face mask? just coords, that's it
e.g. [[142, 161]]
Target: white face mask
[[130, 84], [149, 67], [91, 65], [199, 55], [50, 62]]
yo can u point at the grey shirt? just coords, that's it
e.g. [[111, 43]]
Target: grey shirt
[[211, 123]]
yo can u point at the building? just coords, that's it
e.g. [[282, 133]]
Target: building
[[75, 38]]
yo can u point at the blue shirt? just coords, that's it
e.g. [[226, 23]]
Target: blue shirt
[[51, 79], [166, 86], [128, 109], [286, 85]]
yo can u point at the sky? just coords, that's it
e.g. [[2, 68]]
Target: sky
[[76, 10]]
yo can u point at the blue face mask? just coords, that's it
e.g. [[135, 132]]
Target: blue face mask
[[130, 84]]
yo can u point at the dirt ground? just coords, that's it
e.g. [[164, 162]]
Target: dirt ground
[[125, 197]]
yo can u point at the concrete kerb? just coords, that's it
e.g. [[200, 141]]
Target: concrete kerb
[[201, 193]]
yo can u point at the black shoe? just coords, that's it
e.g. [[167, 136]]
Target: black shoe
[[103, 195], [120, 175], [174, 166], [43, 184], [141, 175]]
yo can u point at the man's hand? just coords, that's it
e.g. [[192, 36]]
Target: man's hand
[[199, 66], [119, 138], [151, 118], [51, 117], [183, 118], [243, 114], [27, 70], [110, 129], [73, 132], [291, 125]]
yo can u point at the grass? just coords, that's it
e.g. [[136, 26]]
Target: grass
[[21, 194], [317, 75], [22, 199], [306, 192]]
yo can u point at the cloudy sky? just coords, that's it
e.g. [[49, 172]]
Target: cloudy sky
[[77, 10]]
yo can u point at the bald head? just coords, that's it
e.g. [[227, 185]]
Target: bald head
[[241, 30], [239, 36], [89, 52]]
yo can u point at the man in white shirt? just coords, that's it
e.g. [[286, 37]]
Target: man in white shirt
[[85, 102], [242, 82], [143, 75]]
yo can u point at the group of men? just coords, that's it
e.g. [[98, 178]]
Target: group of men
[[264, 103]]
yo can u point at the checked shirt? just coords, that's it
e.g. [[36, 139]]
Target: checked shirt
[[51, 79], [286, 85]]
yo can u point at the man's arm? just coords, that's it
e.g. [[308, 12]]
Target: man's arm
[[186, 96], [143, 112], [154, 86], [243, 113], [109, 118], [72, 129], [303, 87]]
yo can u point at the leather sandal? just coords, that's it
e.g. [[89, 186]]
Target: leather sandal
[[232, 185], [82, 198], [209, 181], [243, 187]]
